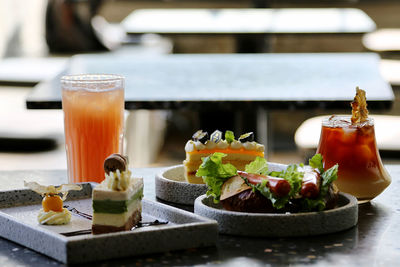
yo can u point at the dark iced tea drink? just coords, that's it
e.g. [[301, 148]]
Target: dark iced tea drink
[[353, 147]]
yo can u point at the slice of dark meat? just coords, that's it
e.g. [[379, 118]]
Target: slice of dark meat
[[248, 201]]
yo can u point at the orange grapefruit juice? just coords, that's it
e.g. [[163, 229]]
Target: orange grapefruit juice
[[93, 121]]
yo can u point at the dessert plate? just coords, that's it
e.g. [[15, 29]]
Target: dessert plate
[[171, 185], [18, 223], [343, 217]]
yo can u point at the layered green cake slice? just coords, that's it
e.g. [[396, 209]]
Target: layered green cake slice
[[117, 203]]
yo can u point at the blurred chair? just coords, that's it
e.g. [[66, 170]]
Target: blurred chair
[[386, 42], [24, 130], [31, 131], [69, 26], [382, 40], [22, 28], [390, 70], [145, 131], [29, 139]]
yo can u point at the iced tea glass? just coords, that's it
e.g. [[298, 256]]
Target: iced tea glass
[[94, 121], [361, 172]]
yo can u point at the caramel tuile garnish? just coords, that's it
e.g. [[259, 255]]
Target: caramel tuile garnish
[[51, 189], [359, 107]]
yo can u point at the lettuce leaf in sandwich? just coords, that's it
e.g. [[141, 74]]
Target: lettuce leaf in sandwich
[[215, 173]]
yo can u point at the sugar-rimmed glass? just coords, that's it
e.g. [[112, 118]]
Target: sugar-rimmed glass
[[93, 106]]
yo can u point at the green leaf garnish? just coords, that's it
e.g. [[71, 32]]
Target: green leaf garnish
[[308, 204], [328, 177], [294, 177], [229, 137], [316, 162], [257, 166]]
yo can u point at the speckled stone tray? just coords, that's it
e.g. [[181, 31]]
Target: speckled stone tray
[[18, 223], [171, 185], [343, 217]]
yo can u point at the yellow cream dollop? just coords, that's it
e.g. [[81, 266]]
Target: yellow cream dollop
[[54, 217], [117, 181]]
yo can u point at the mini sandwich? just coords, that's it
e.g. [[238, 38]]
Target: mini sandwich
[[298, 188]]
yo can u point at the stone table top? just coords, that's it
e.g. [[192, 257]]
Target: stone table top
[[373, 242]]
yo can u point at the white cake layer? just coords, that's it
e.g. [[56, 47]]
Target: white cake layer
[[119, 219], [190, 157], [239, 164], [101, 192]]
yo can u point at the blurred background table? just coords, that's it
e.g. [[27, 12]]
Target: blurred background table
[[232, 81], [236, 83], [374, 241], [249, 26]]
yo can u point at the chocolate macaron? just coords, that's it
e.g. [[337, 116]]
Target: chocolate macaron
[[115, 162]]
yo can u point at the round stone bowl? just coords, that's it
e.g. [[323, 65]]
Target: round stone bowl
[[171, 186], [343, 217]]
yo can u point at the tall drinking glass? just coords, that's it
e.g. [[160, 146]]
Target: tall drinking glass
[[93, 120], [353, 146]]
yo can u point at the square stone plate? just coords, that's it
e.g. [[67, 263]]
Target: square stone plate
[[18, 223]]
